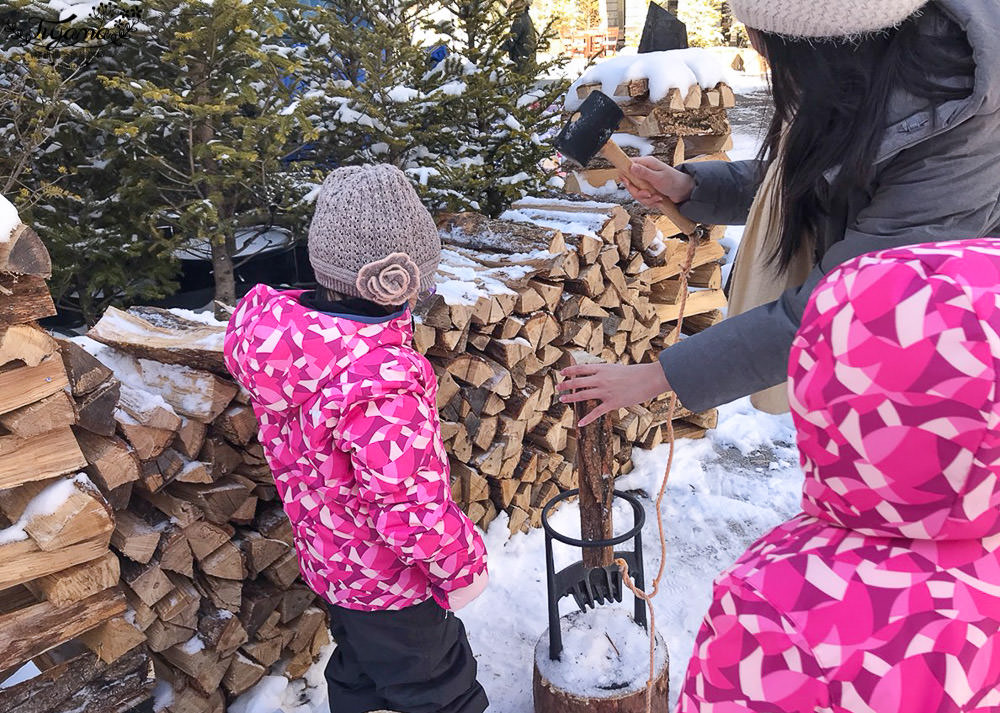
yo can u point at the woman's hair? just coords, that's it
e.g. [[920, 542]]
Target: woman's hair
[[833, 97]]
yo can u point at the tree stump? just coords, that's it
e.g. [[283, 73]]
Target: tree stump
[[553, 695]]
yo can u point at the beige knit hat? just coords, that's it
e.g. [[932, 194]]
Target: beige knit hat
[[371, 237], [823, 18]]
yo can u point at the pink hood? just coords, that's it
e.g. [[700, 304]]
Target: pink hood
[[883, 597], [893, 382], [349, 425]]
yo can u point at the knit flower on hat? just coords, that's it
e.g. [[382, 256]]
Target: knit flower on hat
[[390, 281]]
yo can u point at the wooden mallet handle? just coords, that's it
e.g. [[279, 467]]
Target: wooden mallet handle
[[618, 158]]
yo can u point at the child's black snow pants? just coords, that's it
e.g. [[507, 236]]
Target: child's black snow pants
[[414, 660]]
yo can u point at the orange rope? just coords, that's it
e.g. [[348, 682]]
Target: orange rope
[[647, 597]]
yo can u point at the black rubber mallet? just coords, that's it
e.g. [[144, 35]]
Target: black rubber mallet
[[588, 133]]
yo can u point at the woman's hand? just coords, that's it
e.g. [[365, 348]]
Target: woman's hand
[[615, 386], [667, 182]]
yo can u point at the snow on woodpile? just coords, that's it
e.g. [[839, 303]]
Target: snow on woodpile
[[8, 219], [673, 69]]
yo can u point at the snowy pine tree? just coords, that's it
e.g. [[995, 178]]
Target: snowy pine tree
[[207, 121], [55, 163], [704, 21], [467, 128]]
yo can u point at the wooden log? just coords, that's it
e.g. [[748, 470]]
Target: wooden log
[[242, 675], [95, 411], [482, 372], [23, 561], [284, 571], [161, 635], [219, 457], [85, 371], [112, 639], [85, 684], [196, 394], [258, 603], [238, 424], [202, 665], [134, 537], [36, 629], [58, 514], [111, 462], [148, 582], [23, 385], [26, 343], [160, 335], [52, 412], [148, 409], [217, 502], [220, 630], [294, 601], [23, 299], [174, 553], [260, 552], [79, 582], [697, 302], [23, 253], [597, 483], [224, 593], [304, 628], [183, 512], [190, 437], [38, 458], [226, 562], [147, 441], [145, 615], [273, 523]]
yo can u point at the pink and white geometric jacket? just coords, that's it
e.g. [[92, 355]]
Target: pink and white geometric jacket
[[349, 425], [884, 595]]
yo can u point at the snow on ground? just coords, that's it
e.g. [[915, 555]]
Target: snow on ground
[[724, 492]]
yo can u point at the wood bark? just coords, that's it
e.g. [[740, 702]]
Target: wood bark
[[34, 630]]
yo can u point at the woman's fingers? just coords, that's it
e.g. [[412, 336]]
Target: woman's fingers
[[584, 395], [580, 370], [594, 415]]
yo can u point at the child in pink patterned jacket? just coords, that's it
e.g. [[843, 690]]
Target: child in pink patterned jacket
[[884, 595], [349, 424]]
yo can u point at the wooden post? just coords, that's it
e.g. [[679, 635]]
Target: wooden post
[[595, 463]]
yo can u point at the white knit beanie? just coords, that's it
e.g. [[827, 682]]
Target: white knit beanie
[[371, 237], [823, 18]]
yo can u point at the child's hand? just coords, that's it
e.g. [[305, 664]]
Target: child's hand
[[462, 597]]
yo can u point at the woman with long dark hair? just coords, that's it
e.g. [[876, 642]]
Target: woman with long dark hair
[[886, 133]]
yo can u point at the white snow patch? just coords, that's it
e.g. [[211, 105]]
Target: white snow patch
[[452, 89], [9, 219], [642, 145], [674, 69], [163, 696], [605, 653], [25, 673], [45, 503], [266, 697], [193, 645], [402, 94]]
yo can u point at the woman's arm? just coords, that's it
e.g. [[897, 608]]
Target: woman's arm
[[943, 189], [712, 192]]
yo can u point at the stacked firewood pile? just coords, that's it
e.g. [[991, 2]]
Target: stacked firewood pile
[[207, 562], [61, 604], [515, 298], [685, 125]]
